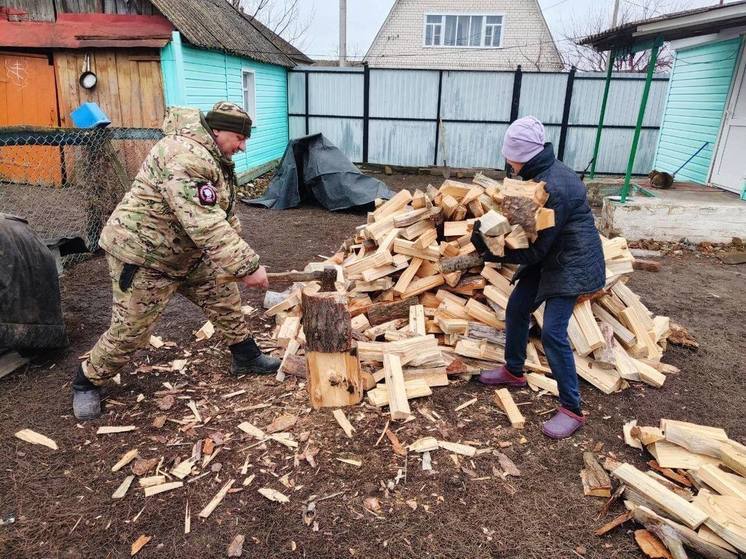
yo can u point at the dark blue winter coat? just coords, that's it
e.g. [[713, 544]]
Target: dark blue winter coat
[[568, 255]]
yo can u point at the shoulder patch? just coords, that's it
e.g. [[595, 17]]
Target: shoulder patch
[[207, 194]]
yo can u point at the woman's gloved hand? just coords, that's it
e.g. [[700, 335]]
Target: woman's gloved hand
[[479, 244]]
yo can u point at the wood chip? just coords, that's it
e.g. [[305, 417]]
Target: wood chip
[[126, 458], [273, 495], [507, 465], [216, 500], [156, 342], [235, 549], [466, 404], [123, 488], [113, 429], [162, 488], [282, 423], [33, 437], [138, 544], [165, 403], [344, 423], [352, 461]]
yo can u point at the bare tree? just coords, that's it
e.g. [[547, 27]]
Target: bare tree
[[598, 20], [281, 16]]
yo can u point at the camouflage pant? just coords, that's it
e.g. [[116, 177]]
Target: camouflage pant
[[135, 311]]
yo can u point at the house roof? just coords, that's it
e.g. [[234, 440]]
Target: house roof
[[217, 25], [75, 31], [669, 27]]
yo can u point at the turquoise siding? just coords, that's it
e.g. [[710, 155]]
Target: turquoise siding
[[210, 76], [697, 95]]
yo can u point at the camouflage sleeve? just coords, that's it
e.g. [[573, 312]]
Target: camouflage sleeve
[[235, 223], [194, 201]]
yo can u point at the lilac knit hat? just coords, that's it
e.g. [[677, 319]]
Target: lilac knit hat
[[523, 139]]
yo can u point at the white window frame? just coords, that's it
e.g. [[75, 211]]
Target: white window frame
[[482, 45], [251, 71]]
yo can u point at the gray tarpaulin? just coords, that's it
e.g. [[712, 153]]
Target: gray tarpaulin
[[30, 310], [315, 171]]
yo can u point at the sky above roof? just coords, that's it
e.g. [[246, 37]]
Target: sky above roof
[[364, 18]]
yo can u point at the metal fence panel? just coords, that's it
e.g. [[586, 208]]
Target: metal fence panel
[[624, 101], [476, 95], [345, 133], [297, 127], [402, 143], [543, 96], [614, 153], [403, 94], [335, 94], [471, 145], [296, 92], [403, 110]]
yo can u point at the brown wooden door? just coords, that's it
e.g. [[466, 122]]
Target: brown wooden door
[[28, 96]]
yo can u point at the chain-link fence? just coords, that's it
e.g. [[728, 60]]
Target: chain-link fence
[[66, 181]]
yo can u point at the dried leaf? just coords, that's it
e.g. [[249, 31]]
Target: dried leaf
[[282, 423]]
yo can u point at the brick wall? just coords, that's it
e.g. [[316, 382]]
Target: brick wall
[[526, 39]]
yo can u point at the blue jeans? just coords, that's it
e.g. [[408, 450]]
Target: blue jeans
[[557, 313]]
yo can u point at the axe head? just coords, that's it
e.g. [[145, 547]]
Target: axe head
[[328, 276]]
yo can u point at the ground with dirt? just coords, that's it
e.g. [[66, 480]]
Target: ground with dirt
[[62, 502]]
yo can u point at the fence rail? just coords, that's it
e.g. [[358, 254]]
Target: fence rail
[[66, 181], [436, 117]]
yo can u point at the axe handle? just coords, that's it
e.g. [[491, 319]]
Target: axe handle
[[277, 276]]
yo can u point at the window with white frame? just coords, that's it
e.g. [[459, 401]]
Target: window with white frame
[[463, 30], [249, 94]]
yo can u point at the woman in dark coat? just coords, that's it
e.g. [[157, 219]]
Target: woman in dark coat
[[565, 262]]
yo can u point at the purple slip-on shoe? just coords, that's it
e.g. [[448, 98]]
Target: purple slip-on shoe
[[502, 376], [563, 424]]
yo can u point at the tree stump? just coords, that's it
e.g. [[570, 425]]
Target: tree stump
[[333, 369]]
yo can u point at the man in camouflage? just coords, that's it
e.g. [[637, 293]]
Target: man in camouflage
[[175, 231]]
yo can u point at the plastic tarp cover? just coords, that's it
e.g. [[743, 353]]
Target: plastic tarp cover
[[315, 171], [30, 306]]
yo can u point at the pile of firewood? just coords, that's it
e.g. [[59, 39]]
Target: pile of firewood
[[693, 496], [415, 303]]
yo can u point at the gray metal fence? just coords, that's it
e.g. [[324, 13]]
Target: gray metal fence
[[437, 117]]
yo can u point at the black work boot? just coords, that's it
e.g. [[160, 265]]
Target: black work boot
[[86, 397], [248, 358]]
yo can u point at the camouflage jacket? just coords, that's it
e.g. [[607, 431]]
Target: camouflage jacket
[[180, 206]]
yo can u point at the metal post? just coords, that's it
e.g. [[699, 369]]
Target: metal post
[[600, 128], [566, 114], [437, 118], [306, 95], [516, 100], [640, 117], [366, 109]]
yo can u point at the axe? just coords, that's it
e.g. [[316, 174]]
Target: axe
[[327, 277]]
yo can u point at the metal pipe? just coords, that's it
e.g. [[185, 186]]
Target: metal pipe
[[343, 32], [640, 117], [597, 144]]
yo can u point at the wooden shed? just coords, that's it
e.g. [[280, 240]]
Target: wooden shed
[[145, 54]]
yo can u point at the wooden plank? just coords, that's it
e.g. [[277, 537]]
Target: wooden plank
[[113, 429], [398, 404], [721, 482], [695, 438], [374, 260], [11, 361], [722, 518], [402, 246], [633, 321], [505, 401], [607, 381], [734, 456], [651, 546], [423, 284], [664, 498], [648, 374], [457, 448], [494, 224], [216, 500], [417, 320], [670, 455], [596, 482], [540, 382], [483, 313], [416, 388], [397, 202], [588, 326], [407, 276], [625, 336]]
